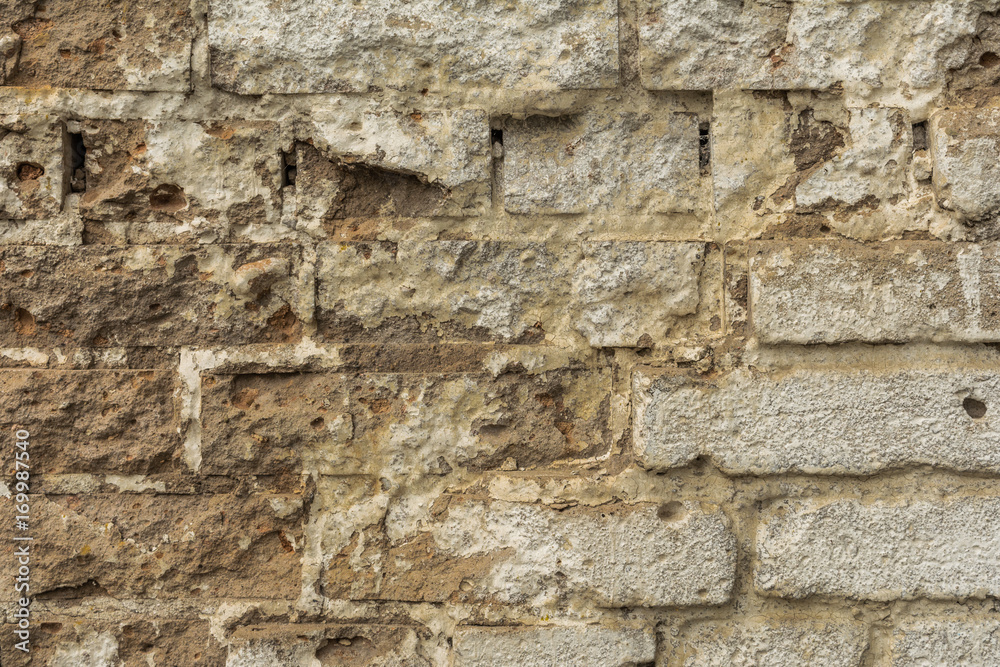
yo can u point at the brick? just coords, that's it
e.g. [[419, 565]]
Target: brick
[[880, 551], [576, 645], [182, 172], [345, 645], [818, 420], [470, 549], [612, 294], [775, 642], [121, 422], [386, 163], [329, 46], [71, 640], [31, 167], [828, 292], [114, 45], [391, 425], [149, 295], [600, 160], [693, 45], [965, 178], [932, 642], [129, 545]]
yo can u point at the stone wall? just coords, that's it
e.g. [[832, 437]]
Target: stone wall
[[485, 334]]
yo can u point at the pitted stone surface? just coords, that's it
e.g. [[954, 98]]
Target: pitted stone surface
[[818, 420], [806, 292], [504, 291], [309, 644], [570, 646], [518, 553], [972, 642], [880, 550], [966, 176], [305, 46], [597, 161], [31, 167], [778, 643]]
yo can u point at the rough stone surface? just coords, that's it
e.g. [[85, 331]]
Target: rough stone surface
[[880, 551], [813, 45], [306, 645], [827, 292], [145, 545], [395, 424], [518, 553], [192, 173], [818, 420], [32, 181], [945, 643], [507, 292], [119, 422], [573, 646], [148, 295], [778, 643], [966, 177], [328, 46], [600, 161], [113, 45]]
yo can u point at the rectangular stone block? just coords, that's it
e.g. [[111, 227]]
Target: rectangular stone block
[[930, 642], [344, 645], [143, 545], [945, 549], [396, 425], [828, 292], [384, 163], [575, 645], [812, 45], [965, 177], [603, 293], [32, 177], [112, 45], [70, 640], [150, 295], [120, 422], [469, 549], [331, 46], [775, 642], [188, 173], [602, 160], [818, 420]]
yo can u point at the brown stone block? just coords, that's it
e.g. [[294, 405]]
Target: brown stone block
[[121, 422], [149, 295], [32, 180], [160, 546], [353, 645]]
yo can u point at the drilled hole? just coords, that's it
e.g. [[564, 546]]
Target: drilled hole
[[975, 409]]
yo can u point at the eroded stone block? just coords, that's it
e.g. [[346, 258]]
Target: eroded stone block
[[32, 181], [601, 160], [611, 293], [132, 545], [570, 646], [791, 642], [115, 45], [818, 420], [516, 553], [330, 46], [393, 425], [118, 422], [186, 172], [966, 177], [150, 295], [943, 549], [828, 292], [334, 644], [973, 642]]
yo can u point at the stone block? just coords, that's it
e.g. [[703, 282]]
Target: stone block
[[32, 176], [966, 175], [574, 645], [931, 642], [344, 645]]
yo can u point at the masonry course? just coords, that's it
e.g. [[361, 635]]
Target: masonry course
[[439, 334]]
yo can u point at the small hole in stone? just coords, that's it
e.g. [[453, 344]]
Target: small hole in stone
[[975, 409], [670, 512], [167, 198], [989, 59], [289, 170], [704, 146], [317, 423], [824, 229], [29, 171], [919, 137], [496, 137]]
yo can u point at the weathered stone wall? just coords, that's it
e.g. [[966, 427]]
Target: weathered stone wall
[[475, 333]]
